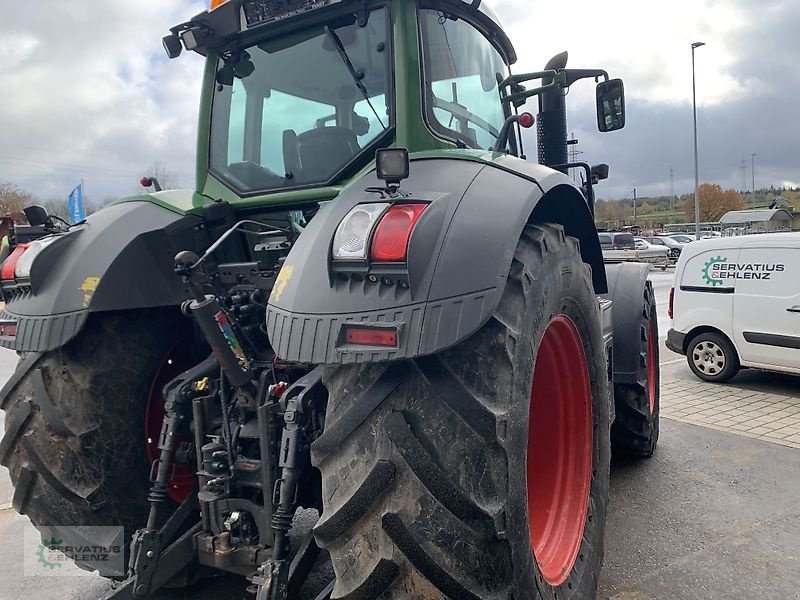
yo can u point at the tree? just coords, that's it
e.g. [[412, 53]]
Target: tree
[[714, 202], [12, 198], [166, 178]]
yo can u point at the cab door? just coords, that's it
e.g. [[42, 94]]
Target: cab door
[[766, 306]]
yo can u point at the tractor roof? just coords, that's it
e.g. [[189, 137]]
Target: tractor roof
[[228, 20]]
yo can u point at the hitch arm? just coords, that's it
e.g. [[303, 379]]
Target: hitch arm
[[177, 555]]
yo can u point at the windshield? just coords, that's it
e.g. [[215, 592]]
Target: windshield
[[314, 103]]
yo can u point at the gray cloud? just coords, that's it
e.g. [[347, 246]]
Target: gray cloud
[[87, 93]]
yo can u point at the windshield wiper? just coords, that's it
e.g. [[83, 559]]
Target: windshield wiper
[[353, 73]]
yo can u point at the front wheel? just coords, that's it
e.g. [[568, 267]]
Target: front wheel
[[712, 357], [80, 421], [482, 471]]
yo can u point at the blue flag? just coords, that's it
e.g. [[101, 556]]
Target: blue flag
[[76, 211]]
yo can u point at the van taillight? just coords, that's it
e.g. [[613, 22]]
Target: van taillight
[[616, 246], [671, 300]]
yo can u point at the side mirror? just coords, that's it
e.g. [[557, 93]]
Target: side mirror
[[36, 215], [610, 105], [599, 172]]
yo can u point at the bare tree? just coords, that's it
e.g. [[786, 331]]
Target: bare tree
[[58, 207], [166, 178], [12, 198]]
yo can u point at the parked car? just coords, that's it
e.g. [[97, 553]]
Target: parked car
[[673, 246], [683, 238], [613, 240], [653, 253], [621, 247], [736, 303]]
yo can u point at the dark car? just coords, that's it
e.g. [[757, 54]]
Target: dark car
[[616, 241], [672, 245]]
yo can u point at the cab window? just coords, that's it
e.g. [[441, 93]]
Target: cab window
[[462, 70]]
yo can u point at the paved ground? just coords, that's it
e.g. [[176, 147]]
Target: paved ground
[[714, 515]]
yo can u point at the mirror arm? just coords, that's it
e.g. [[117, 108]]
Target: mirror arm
[[522, 77], [519, 96], [573, 75]]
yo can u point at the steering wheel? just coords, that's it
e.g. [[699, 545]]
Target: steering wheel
[[460, 112]]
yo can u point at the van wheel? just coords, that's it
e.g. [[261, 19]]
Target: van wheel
[[712, 357]]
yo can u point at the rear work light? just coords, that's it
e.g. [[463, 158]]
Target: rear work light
[[390, 242], [370, 336], [10, 264]]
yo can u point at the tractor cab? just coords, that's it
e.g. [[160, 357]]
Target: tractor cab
[[300, 95]]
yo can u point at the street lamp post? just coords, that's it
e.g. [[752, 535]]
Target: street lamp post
[[695, 45], [753, 174]]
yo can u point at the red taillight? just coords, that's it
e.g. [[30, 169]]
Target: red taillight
[[9, 264], [390, 241], [616, 246], [671, 299], [371, 336]]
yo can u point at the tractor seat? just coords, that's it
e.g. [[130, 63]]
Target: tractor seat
[[321, 151]]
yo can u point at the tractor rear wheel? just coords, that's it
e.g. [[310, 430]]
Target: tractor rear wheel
[[77, 425], [481, 471], [635, 428]]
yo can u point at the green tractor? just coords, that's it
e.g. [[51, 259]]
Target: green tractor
[[371, 305]]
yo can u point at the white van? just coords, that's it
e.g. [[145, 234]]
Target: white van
[[736, 303]]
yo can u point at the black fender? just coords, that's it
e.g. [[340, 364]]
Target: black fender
[[459, 257], [121, 258], [626, 283]]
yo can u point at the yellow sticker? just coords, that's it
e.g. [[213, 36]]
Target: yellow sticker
[[281, 281], [90, 284], [89, 287]]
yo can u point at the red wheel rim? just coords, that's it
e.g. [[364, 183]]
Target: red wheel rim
[[559, 461], [176, 361], [652, 367]]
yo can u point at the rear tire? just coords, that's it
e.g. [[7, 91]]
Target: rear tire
[[712, 357], [636, 425], [74, 441], [427, 480]]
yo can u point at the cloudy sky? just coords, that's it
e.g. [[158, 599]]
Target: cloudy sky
[[88, 93]]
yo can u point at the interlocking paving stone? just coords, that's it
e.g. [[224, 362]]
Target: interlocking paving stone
[[770, 417]]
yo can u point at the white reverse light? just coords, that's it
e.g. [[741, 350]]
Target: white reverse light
[[25, 262], [350, 240]]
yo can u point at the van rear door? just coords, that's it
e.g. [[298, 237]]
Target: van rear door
[[766, 306], [704, 291]]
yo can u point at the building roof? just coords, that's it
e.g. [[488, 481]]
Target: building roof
[[760, 215]]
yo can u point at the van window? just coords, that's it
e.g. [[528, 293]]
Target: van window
[[605, 241], [624, 241]]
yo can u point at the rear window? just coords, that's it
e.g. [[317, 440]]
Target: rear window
[[623, 241], [605, 241]]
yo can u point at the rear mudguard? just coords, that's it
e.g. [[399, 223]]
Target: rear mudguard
[[626, 283], [121, 258], [458, 260]]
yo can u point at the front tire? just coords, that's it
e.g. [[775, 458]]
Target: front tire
[[75, 427], [448, 476], [637, 404], [712, 357]]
